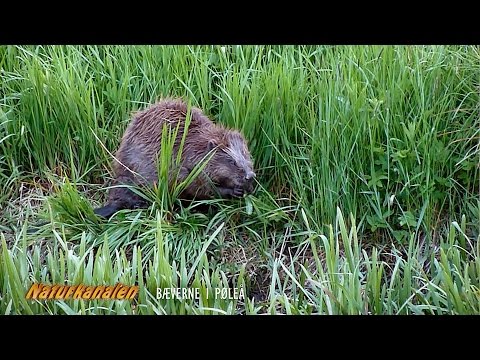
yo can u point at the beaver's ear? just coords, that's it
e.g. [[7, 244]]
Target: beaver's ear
[[211, 145]]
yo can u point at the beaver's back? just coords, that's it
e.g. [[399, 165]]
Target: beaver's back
[[146, 125], [142, 139]]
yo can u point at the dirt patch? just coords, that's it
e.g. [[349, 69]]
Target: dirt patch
[[260, 285], [259, 266]]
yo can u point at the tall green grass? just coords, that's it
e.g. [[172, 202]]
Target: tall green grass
[[342, 279], [388, 134]]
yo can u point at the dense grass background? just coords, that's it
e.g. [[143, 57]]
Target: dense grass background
[[388, 134]]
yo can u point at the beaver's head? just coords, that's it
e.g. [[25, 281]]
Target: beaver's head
[[231, 165]]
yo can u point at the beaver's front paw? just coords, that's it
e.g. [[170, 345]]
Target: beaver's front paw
[[228, 192], [238, 191]]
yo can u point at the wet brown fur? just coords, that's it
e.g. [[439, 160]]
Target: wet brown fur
[[230, 169]]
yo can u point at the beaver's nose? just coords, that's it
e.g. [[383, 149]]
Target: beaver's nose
[[250, 175]]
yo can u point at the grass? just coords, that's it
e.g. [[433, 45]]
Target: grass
[[367, 159]]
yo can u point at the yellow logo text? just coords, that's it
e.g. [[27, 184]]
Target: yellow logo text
[[65, 292]]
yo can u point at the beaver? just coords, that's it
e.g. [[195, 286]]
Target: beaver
[[228, 173]]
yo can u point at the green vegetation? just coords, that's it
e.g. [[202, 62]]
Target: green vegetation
[[368, 169]]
